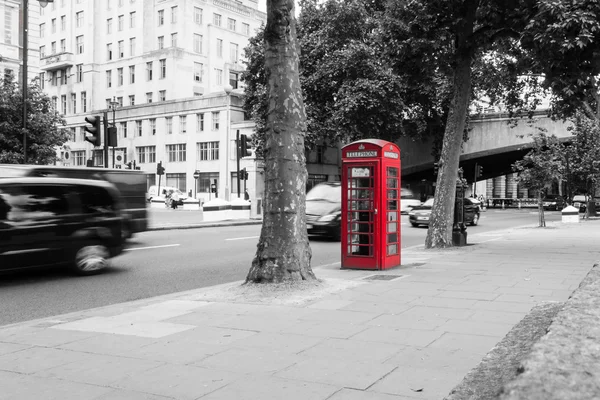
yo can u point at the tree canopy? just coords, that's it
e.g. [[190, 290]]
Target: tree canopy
[[44, 124]]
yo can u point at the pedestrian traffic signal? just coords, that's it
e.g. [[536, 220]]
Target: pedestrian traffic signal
[[92, 131], [160, 170], [244, 147], [436, 167]]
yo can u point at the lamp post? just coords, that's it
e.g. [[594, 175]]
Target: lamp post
[[113, 106], [43, 3], [227, 89]]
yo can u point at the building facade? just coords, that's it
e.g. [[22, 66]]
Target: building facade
[[11, 39]]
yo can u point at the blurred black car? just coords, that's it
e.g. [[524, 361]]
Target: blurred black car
[[324, 210], [420, 215], [59, 221], [553, 202]]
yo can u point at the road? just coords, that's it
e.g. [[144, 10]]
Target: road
[[163, 262]]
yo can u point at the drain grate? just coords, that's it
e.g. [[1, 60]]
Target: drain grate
[[382, 277]]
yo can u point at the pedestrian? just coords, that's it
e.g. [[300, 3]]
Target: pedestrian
[[246, 195], [174, 199]]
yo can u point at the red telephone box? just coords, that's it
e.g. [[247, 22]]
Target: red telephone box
[[370, 205]]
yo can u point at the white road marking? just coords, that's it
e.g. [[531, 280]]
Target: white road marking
[[243, 238], [152, 247]]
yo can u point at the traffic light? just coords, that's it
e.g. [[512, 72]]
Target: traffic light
[[160, 170], [479, 170], [93, 132], [111, 136], [244, 146], [436, 167]]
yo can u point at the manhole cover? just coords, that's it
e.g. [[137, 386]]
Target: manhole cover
[[382, 277]]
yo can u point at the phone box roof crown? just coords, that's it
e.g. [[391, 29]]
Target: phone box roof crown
[[368, 148]]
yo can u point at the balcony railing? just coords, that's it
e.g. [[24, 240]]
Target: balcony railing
[[56, 61]]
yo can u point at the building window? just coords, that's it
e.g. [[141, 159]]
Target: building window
[[174, 39], [132, 74], [109, 26], [79, 18], [233, 52], [138, 127], [73, 134], [152, 126], [42, 51], [161, 17], [63, 104], [231, 24], [132, 47], [207, 151], [120, 101], [219, 76], [132, 19], [182, 123], [64, 77], [215, 120], [198, 15], [163, 68], [109, 52], [132, 101], [174, 14], [63, 23], [78, 157], [200, 122], [162, 95], [198, 43], [233, 80], [121, 49], [79, 72], [42, 80], [177, 181], [121, 22], [219, 47], [176, 152], [53, 47], [109, 78], [169, 124], [149, 71], [83, 102], [119, 76], [198, 68], [146, 154], [123, 126], [53, 23], [217, 19], [161, 42], [63, 45], [79, 44], [74, 103], [246, 29], [149, 97], [42, 30]]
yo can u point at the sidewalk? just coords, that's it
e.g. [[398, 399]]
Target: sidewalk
[[414, 336]]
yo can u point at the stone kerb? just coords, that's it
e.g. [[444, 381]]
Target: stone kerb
[[216, 210], [191, 204], [240, 209]]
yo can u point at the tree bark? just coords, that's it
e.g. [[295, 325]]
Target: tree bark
[[439, 234], [542, 218], [283, 251]]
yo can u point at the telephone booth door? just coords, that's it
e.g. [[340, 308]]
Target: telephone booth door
[[391, 229], [360, 222]]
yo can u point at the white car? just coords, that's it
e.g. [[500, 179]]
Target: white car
[[153, 189], [407, 200]]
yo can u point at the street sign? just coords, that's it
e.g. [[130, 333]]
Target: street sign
[[119, 158], [196, 174]]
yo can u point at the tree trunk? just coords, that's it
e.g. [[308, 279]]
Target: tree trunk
[[541, 210], [283, 252], [439, 234]]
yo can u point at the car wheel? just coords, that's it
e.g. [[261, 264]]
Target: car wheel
[[414, 224], [475, 219], [91, 259]]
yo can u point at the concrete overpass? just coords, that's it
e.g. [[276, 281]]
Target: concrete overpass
[[492, 143]]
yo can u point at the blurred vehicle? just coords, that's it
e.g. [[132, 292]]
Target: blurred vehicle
[[165, 189], [130, 183], [420, 215], [324, 210], [47, 222], [477, 203], [407, 200], [580, 202], [553, 202]]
